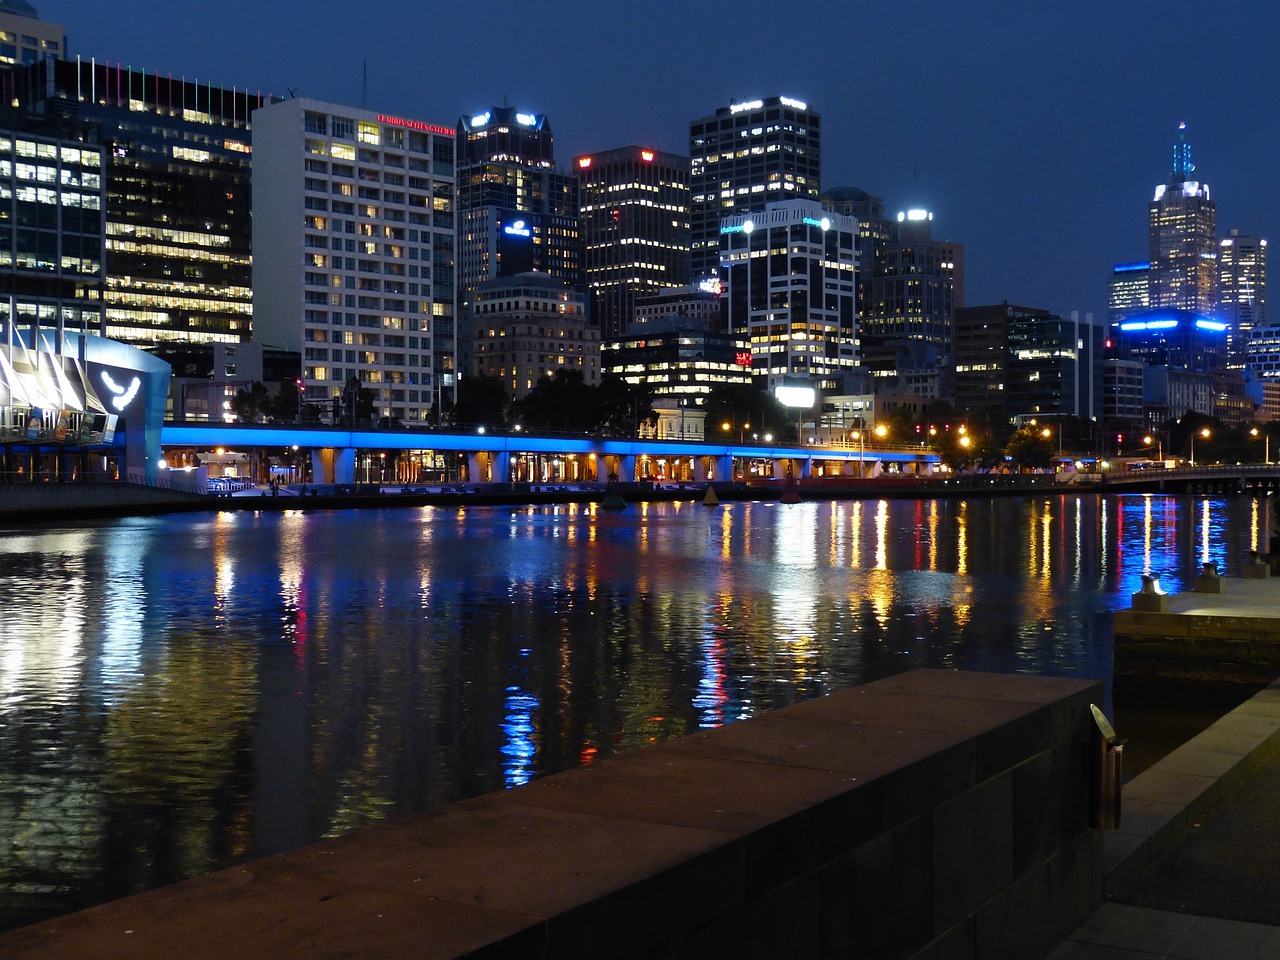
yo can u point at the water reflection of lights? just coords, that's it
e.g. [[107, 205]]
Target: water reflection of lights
[[519, 746], [882, 535], [711, 696], [962, 539]]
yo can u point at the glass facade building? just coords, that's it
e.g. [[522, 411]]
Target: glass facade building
[[1242, 289], [52, 215], [1128, 291], [177, 259]]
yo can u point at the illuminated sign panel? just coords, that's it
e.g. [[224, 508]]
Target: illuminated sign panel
[[584, 162], [794, 104], [646, 156], [1148, 325], [824, 223], [749, 105], [1213, 325], [518, 228], [794, 396], [528, 119], [742, 358], [480, 119], [416, 125]]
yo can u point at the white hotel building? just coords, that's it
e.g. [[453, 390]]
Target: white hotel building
[[353, 249]]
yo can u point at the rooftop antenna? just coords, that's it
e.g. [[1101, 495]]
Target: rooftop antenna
[[1182, 165]]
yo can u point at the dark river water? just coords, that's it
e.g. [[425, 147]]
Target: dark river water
[[180, 693]]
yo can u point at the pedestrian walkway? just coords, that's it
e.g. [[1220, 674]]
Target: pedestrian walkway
[[1194, 871]]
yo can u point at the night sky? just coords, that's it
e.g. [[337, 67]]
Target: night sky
[[1035, 131]]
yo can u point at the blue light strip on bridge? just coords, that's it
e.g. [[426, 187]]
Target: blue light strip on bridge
[[207, 436]]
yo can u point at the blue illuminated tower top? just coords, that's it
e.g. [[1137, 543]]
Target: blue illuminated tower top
[[1182, 165]]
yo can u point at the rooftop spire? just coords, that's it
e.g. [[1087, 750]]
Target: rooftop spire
[[1182, 165]]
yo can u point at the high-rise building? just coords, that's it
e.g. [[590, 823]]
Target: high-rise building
[[791, 277], [177, 257], [25, 38], [635, 229], [516, 212], [742, 157], [353, 234], [1183, 240], [528, 327], [53, 200], [1129, 290], [912, 286], [1242, 290]]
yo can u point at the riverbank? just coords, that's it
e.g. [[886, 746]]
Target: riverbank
[[54, 502]]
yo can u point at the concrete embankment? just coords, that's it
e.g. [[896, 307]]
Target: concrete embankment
[[935, 813], [1225, 635], [60, 502]]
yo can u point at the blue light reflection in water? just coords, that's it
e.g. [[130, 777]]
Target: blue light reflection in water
[[181, 693]]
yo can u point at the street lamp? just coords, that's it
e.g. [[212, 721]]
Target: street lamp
[[1204, 432], [1266, 438], [1149, 440], [862, 450]]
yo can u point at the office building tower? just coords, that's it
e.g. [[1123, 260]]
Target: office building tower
[[177, 260], [1018, 362], [516, 212], [528, 327], [1178, 339], [25, 38], [354, 241], [1128, 291], [635, 229], [677, 356], [790, 271], [912, 286], [1055, 365], [743, 157], [703, 302], [874, 230], [52, 208], [1242, 290], [1182, 239]]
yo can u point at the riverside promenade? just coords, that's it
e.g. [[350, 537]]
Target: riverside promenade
[[1193, 872]]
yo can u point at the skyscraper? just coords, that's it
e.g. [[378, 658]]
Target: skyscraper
[[1242, 290], [177, 260], [353, 233], [743, 157], [791, 279], [1129, 290], [516, 212], [635, 229], [1182, 239]]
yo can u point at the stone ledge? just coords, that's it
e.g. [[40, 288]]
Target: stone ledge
[[1178, 789], [690, 842]]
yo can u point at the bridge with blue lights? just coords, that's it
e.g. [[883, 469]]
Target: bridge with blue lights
[[335, 455]]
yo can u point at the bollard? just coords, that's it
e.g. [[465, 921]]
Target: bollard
[[1107, 770]]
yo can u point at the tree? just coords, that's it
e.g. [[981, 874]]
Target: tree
[[357, 402], [482, 402], [623, 407], [559, 403], [286, 405], [738, 405], [1031, 449], [250, 406]]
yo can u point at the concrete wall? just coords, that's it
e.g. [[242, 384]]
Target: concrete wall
[[935, 814]]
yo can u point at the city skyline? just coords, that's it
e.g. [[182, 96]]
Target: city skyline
[[1037, 137]]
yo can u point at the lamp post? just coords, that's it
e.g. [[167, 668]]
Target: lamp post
[[862, 450], [1266, 439], [1159, 442], [1204, 432]]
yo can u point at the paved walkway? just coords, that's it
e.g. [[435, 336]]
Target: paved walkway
[[1194, 871]]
